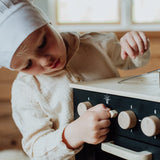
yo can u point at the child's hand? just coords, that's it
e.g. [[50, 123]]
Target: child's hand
[[91, 127], [132, 44], [95, 123]]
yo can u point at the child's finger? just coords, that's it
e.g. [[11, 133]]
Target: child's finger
[[132, 43], [144, 38], [127, 50], [123, 54], [102, 138], [139, 42], [104, 123], [103, 115], [101, 112], [104, 131], [99, 107]]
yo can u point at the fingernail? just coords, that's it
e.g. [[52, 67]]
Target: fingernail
[[108, 109]]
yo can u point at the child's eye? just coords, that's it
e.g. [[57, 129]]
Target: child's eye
[[28, 65], [43, 42]]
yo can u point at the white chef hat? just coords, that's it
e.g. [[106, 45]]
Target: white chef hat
[[18, 19]]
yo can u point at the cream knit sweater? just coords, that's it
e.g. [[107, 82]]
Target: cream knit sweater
[[42, 105]]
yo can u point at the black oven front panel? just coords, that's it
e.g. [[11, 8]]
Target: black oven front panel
[[130, 137]]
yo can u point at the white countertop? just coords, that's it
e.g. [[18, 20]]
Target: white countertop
[[144, 87]]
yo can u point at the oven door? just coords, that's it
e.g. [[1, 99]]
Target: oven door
[[94, 152], [119, 149]]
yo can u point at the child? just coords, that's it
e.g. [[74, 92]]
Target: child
[[42, 101]]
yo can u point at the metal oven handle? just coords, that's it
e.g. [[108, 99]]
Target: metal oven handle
[[125, 153]]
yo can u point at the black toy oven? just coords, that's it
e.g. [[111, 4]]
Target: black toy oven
[[141, 96]]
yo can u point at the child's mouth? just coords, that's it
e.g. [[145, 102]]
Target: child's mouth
[[56, 64]]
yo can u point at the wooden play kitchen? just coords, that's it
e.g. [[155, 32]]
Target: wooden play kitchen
[[135, 112]]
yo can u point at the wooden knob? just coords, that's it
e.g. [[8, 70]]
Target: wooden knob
[[127, 119], [150, 126], [113, 113], [82, 107]]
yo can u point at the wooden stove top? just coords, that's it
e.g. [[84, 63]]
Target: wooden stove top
[[144, 87]]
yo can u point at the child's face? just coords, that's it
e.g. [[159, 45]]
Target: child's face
[[42, 52]]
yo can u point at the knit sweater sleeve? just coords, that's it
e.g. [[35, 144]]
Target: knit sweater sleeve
[[40, 139], [108, 45]]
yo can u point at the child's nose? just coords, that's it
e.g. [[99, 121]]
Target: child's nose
[[45, 61]]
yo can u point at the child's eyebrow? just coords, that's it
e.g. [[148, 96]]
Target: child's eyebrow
[[35, 38], [39, 37]]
